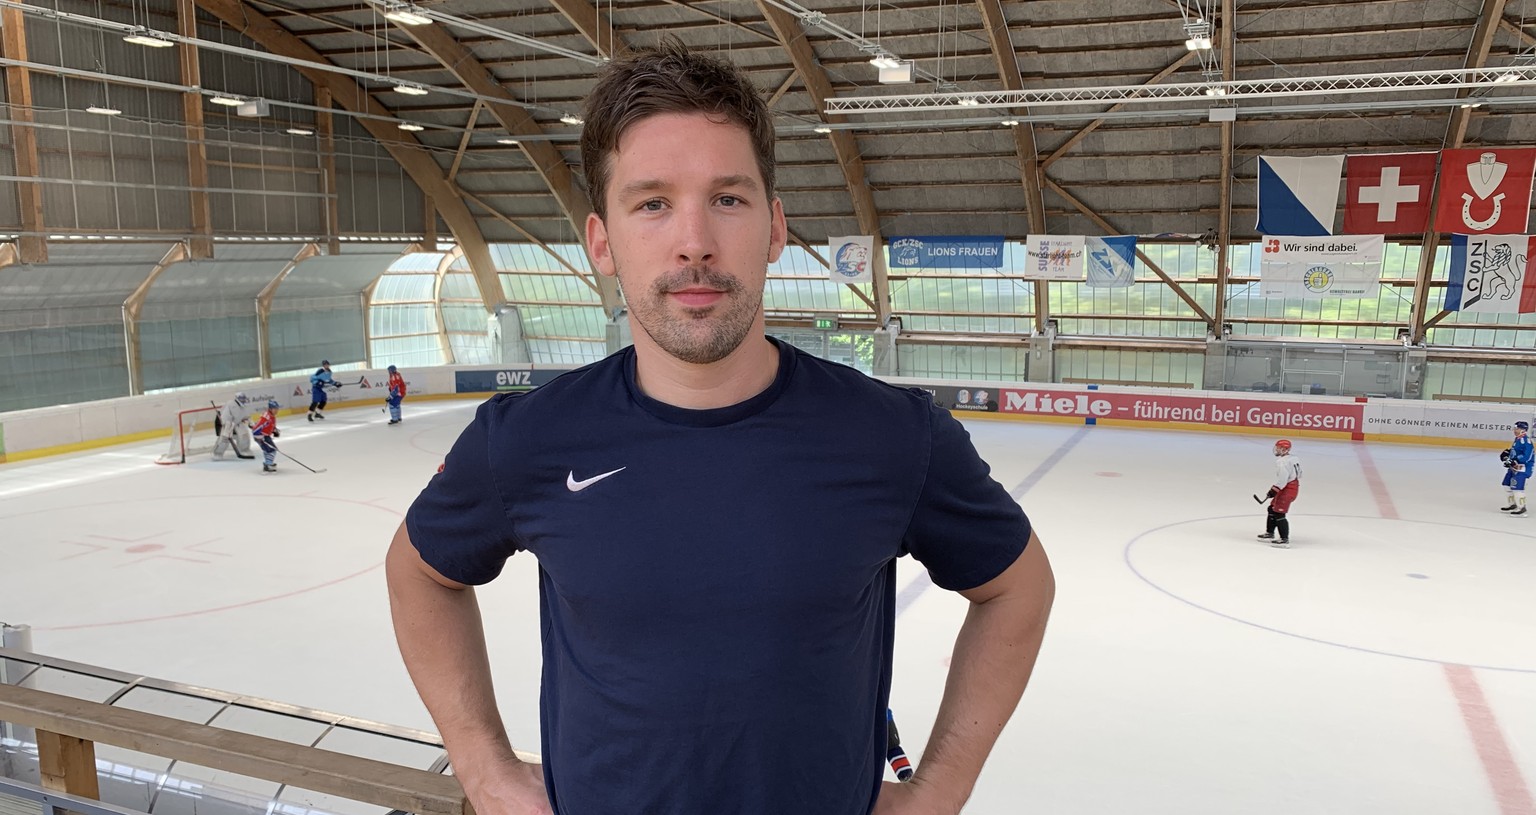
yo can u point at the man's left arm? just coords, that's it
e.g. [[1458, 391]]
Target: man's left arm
[[993, 657]]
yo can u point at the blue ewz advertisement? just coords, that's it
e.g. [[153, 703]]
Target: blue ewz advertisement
[[503, 379], [946, 252]]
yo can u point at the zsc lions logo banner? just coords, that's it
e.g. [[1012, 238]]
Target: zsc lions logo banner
[[852, 259]]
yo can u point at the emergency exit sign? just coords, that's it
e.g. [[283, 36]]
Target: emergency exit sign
[[826, 323]]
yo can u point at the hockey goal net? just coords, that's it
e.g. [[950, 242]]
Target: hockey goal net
[[192, 434]]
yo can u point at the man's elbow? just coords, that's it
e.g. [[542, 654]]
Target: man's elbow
[[403, 566], [1028, 581]]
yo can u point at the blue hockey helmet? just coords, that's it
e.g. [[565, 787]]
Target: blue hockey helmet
[[1522, 425], [391, 369], [272, 404], [325, 362]]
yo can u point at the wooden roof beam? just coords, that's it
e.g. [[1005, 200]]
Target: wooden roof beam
[[1094, 125], [1148, 262], [1488, 19], [595, 25], [814, 77], [1228, 39], [546, 158], [31, 247], [996, 23], [405, 149]]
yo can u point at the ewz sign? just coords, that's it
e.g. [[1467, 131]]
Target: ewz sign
[[503, 380], [945, 252]]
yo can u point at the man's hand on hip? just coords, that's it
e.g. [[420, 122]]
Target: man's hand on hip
[[516, 788], [908, 799]]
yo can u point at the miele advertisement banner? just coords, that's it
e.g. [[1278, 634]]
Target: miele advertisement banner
[[1214, 410], [1472, 424]]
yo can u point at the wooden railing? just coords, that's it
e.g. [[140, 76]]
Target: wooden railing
[[1135, 383], [1463, 397], [68, 730]]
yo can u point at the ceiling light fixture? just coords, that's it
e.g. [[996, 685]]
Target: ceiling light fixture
[[1010, 123], [104, 111], [145, 37], [300, 131], [507, 141], [409, 89], [969, 101], [226, 100], [885, 61], [1507, 78], [823, 129], [410, 127], [406, 14], [570, 120], [1198, 32]]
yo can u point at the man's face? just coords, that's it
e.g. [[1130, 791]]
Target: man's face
[[690, 233]]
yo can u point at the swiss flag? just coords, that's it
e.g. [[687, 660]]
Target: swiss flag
[[1485, 191], [1388, 193]]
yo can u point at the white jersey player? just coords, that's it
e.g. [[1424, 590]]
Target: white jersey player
[[233, 428], [1287, 483]]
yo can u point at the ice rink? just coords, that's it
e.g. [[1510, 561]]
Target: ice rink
[[1386, 663]]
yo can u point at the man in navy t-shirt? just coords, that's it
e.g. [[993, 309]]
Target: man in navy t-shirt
[[716, 517]]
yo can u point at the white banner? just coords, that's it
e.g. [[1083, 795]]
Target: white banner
[[1315, 268], [1111, 261], [1055, 257], [852, 258]]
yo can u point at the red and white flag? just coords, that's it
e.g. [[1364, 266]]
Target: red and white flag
[[1388, 193], [1485, 190]]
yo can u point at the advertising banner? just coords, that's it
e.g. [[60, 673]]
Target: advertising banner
[[1489, 273], [1443, 420], [1212, 410], [852, 259], [1317, 268], [502, 380], [946, 252], [1111, 261], [977, 398], [1055, 257]]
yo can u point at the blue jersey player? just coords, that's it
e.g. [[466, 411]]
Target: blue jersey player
[[716, 518], [318, 382], [1518, 460]]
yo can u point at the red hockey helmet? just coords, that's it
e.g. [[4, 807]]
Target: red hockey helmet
[[1282, 446]]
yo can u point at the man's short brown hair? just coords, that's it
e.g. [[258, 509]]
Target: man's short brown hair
[[668, 79]]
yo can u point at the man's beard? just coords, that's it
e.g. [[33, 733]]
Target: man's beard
[[698, 336]]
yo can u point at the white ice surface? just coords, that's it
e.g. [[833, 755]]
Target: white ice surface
[[1188, 667]]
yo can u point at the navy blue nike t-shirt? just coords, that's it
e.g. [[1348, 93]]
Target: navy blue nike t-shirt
[[716, 587]]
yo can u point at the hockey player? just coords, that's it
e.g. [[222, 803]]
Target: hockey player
[[396, 394], [232, 426], [318, 382], [1277, 529], [1518, 462], [265, 430]]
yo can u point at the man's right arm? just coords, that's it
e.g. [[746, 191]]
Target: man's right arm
[[441, 638]]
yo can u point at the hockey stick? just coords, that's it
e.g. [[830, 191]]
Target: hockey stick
[[894, 754], [1260, 500], [301, 464]]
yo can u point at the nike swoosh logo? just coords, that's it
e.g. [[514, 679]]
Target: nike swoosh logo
[[577, 486]]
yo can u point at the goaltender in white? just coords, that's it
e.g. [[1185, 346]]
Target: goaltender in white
[[233, 427]]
